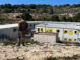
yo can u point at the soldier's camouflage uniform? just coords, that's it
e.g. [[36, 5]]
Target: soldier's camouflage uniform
[[22, 30]]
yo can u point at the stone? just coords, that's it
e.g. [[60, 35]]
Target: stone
[[38, 52]]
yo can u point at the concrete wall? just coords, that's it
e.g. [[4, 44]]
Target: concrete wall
[[46, 37]]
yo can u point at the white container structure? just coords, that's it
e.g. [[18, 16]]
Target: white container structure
[[10, 31], [66, 32]]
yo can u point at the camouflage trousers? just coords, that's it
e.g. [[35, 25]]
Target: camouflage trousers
[[21, 38]]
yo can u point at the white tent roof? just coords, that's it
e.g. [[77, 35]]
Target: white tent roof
[[54, 22], [75, 25], [8, 26], [59, 26]]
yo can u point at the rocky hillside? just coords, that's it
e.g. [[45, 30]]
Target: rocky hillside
[[11, 13], [40, 9], [8, 18]]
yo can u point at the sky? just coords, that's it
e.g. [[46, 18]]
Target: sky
[[48, 2]]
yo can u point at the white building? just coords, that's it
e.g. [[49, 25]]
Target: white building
[[66, 32], [9, 31]]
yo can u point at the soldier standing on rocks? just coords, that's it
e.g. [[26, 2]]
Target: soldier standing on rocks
[[22, 30]]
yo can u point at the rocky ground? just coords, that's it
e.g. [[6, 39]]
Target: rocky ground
[[38, 52]]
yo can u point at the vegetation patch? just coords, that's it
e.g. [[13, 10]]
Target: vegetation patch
[[51, 58], [9, 43], [32, 42], [74, 57]]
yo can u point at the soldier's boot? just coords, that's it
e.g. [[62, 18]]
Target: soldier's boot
[[23, 41], [23, 44], [18, 43]]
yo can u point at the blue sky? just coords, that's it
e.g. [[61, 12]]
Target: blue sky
[[50, 2]]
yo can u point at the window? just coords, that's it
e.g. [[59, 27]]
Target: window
[[76, 32], [65, 31], [41, 29], [38, 29], [57, 31], [14, 30], [50, 30], [46, 29], [74, 39]]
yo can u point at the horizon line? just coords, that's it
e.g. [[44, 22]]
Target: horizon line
[[40, 4]]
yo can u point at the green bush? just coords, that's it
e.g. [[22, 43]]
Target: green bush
[[76, 44], [51, 58], [8, 43], [17, 16], [26, 16], [32, 42]]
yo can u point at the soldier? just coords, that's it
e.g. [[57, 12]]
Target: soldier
[[22, 30]]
